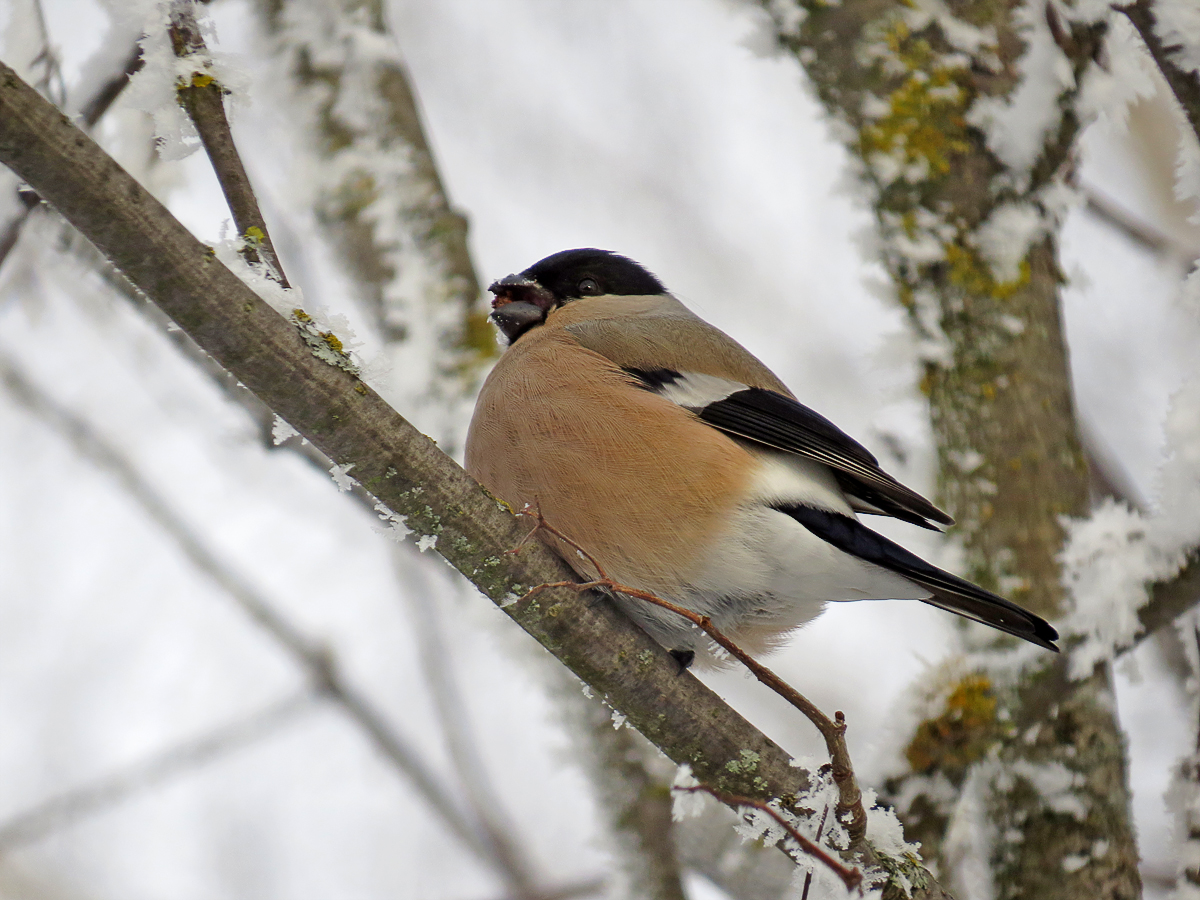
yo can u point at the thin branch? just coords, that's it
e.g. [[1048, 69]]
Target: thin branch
[[1132, 227], [203, 97], [1184, 85], [108, 91], [69, 808], [317, 661], [852, 878], [850, 810], [51, 81]]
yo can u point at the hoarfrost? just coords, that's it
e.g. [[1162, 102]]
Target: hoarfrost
[[258, 277], [340, 477], [281, 431], [887, 834], [397, 529], [1177, 23], [153, 89], [426, 541], [685, 804], [1106, 92], [1110, 558], [1005, 238], [1073, 863], [1055, 785], [618, 720], [1016, 126], [1187, 172]]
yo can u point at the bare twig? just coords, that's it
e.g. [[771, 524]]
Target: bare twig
[[850, 810], [203, 99], [1137, 230], [68, 808], [51, 81], [317, 661], [106, 92], [1184, 85], [852, 878]]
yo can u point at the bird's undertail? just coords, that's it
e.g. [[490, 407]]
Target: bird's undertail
[[951, 593]]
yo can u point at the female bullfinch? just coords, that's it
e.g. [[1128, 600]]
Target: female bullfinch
[[686, 468]]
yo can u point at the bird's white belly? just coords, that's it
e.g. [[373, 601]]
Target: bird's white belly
[[767, 573]]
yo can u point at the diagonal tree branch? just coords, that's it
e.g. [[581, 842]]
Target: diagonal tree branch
[[352, 425]]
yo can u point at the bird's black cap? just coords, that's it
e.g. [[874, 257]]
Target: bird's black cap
[[563, 273]]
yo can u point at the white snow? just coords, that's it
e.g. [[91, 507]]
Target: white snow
[[1017, 125], [281, 431]]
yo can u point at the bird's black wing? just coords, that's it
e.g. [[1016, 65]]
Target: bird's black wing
[[775, 420], [949, 591]]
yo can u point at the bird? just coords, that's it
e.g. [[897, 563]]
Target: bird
[[682, 466]]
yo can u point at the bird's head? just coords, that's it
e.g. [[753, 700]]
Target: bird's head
[[524, 301]]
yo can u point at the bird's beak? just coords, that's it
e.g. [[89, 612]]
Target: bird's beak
[[519, 304]]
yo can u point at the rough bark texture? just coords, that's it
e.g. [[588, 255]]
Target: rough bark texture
[[905, 81], [353, 426]]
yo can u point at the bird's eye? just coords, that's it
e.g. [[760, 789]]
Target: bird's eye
[[589, 287]]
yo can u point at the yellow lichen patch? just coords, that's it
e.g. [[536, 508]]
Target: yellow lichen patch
[[926, 384], [334, 342], [961, 734], [924, 122], [974, 276], [254, 235], [199, 79]]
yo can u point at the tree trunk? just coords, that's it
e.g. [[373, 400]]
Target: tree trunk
[[968, 218]]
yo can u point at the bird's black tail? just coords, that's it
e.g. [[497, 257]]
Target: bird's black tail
[[949, 591]]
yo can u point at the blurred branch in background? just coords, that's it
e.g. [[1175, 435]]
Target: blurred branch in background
[[378, 193], [1137, 230], [449, 704], [317, 662], [72, 806], [91, 111], [927, 98]]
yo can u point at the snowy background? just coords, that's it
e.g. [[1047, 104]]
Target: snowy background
[[657, 129]]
